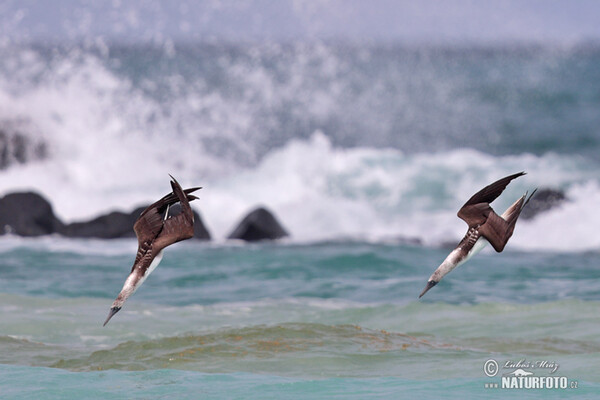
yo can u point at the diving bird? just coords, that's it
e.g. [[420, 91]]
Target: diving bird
[[155, 230], [485, 226]]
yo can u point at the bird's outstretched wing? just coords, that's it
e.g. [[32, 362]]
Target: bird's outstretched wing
[[476, 210], [493, 190]]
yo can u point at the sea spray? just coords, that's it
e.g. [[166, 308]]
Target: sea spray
[[304, 130]]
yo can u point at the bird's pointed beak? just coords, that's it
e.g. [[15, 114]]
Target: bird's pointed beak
[[112, 312], [430, 284]]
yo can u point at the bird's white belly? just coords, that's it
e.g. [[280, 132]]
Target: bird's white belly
[[152, 266], [453, 261], [477, 247]]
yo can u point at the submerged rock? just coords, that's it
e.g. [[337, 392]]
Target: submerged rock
[[259, 224], [27, 214], [542, 201]]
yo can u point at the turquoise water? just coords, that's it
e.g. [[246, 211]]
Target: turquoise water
[[358, 149], [324, 320], [59, 384]]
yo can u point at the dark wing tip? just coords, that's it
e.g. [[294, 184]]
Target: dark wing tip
[[174, 182], [516, 175], [192, 190], [530, 196], [493, 190]]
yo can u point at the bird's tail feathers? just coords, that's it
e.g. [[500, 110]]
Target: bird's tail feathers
[[512, 213]]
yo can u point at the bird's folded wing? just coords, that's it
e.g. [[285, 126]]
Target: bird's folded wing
[[149, 223], [172, 198], [497, 231], [179, 227], [168, 200], [175, 229], [475, 214]]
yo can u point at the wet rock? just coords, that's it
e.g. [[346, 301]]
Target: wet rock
[[542, 201], [17, 143], [259, 224], [114, 225], [27, 214]]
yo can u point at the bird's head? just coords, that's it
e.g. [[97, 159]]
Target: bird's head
[[445, 267], [117, 304], [429, 285], [111, 313]]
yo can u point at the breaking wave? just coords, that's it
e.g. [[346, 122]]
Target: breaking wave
[[370, 143]]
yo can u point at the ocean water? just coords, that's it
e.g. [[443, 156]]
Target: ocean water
[[364, 153], [289, 320]]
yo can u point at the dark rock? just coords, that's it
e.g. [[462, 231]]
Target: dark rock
[[17, 143], [118, 224], [27, 214], [542, 201], [259, 224], [30, 214], [110, 226]]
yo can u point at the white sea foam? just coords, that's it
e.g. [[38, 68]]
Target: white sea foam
[[569, 227], [321, 192], [111, 147]]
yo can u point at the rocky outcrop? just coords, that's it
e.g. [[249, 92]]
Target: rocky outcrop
[[27, 214], [259, 224], [118, 224], [110, 226], [542, 201], [30, 214], [17, 145]]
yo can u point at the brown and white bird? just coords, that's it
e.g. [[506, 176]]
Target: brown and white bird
[[155, 230], [485, 226]]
